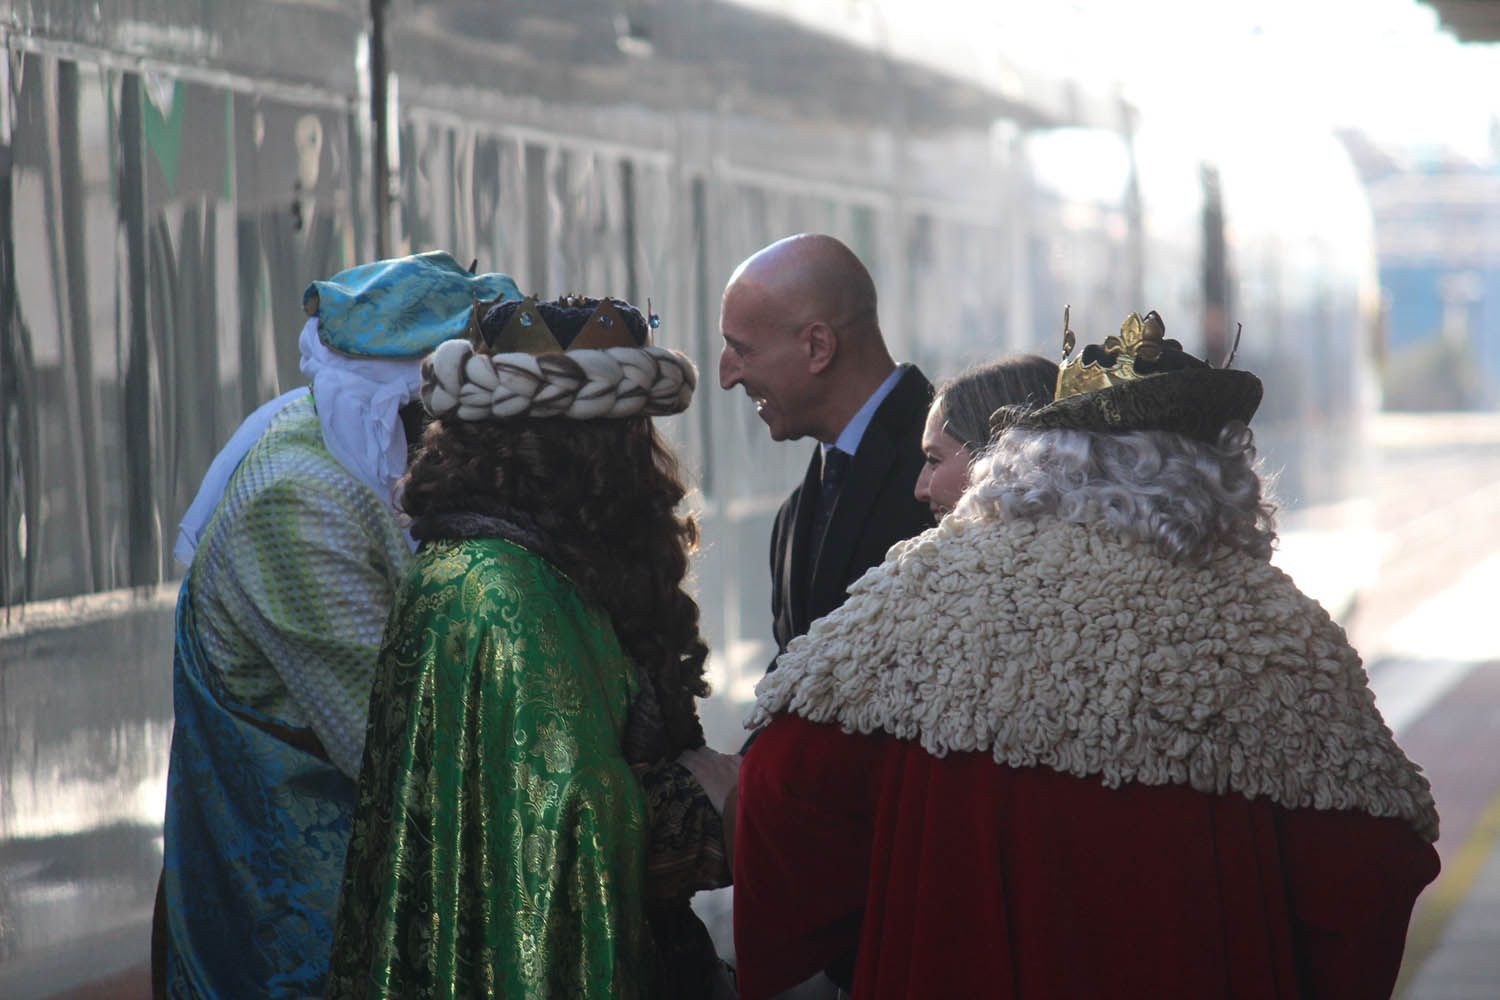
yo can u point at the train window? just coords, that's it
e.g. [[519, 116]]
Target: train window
[[1182, 239], [591, 243], [539, 219], [1082, 226], [953, 324], [427, 185], [462, 213], [65, 429], [921, 292], [1080, 164], [864, 240], [489, 229], [507, 225], [292, 164], [186, 170], [657, 235], [705, 316], [661, 264], [173, 226], [750, 218], [628, 236], [53, 518], [482, 196]]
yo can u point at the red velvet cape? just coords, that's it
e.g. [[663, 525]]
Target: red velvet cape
[[960, 877]]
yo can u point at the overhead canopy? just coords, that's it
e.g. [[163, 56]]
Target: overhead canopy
[[717, 56], [1470, 20]]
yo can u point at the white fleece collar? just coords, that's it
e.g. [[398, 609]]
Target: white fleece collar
[[1059, 645]]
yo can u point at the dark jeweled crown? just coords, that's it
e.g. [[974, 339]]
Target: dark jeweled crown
[[575, 357], [505, 326]]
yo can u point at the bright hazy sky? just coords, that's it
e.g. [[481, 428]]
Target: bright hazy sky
[[1383, 66]]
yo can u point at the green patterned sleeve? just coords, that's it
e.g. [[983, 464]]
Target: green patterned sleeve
[[576, 808], [499, 839], [314, 577], [594, 940]]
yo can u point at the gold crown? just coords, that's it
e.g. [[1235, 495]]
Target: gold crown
[[527, 333], [1100, 366]]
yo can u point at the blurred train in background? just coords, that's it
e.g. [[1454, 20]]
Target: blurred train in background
[[172, 175]]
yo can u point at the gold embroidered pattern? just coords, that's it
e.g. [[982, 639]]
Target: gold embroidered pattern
[[499, 840]]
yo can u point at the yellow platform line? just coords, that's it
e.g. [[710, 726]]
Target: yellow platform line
[[1448, 894]]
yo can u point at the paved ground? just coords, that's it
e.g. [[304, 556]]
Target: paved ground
[[1427, 628]]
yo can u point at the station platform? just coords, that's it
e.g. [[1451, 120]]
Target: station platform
[[1427, 630]]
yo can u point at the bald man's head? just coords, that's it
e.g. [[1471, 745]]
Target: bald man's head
[[819, 276], [802, 335]]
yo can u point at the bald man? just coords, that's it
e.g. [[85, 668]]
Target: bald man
[[802, 337]]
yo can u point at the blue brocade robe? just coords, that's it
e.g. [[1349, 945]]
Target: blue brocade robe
[[278, 629]]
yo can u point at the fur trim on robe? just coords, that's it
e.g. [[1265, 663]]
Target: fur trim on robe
[[1061, 645]]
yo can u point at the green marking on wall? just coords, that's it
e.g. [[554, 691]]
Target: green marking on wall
[[164, 133]]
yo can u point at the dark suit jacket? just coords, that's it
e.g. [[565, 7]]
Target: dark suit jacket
[[875, 510]]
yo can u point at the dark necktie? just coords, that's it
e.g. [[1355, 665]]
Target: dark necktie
[[835, 468]]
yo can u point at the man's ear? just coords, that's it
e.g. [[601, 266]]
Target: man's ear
[[822, 344]]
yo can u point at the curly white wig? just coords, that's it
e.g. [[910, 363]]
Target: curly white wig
[[1181, 496]]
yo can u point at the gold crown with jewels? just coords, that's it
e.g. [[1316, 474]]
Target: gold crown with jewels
[[1140, 381], [1135, 354]]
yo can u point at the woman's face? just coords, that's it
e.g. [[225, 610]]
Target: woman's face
[[945, 475]]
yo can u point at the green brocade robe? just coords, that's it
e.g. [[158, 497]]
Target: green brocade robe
[[499, 840]]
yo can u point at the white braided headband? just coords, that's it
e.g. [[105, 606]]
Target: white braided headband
[[583, 385]]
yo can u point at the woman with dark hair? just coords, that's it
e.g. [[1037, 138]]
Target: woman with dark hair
[[958, 421], [528, 821]]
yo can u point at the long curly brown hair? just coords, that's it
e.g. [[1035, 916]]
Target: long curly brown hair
[[603, 493]]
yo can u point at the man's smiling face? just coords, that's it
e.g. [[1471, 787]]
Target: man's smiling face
[[767, 356]]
